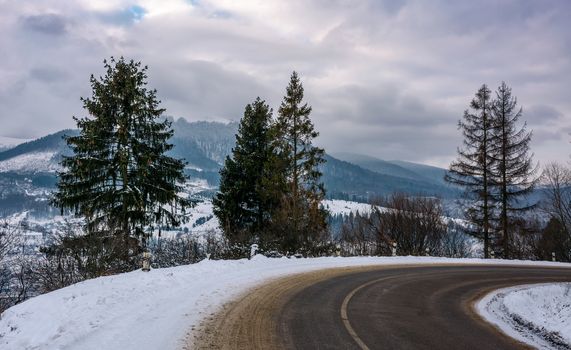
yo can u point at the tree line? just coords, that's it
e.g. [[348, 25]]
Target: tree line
[[120, 180]]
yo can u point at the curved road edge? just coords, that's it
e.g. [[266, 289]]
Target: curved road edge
[[251, 321]]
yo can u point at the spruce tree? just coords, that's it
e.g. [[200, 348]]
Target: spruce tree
[[119, 177], [243, 204], [301, 219], [514, 171], [473, 169]]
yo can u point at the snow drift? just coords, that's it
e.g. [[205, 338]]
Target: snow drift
[[537, 314], [156, 310]]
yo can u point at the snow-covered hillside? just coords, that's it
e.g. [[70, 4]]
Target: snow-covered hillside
[[156, 310], [342, 207], [537, 314], [201, 219], [34, 162]]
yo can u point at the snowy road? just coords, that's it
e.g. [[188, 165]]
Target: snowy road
[[426, 307]]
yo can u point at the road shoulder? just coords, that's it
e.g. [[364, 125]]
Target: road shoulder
[[249, 321]]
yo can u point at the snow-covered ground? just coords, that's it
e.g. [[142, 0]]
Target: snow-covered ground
[[155, 310], [537, 314]]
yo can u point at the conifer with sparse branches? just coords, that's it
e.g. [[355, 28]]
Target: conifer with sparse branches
[[473, 169], [514, 171]]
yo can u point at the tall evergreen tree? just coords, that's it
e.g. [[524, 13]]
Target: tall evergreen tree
[[243, 204], [514, 171], [302, 220], [119, 178], [473, 169]]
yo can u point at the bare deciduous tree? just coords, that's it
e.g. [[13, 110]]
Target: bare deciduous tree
[[557, 179], [415, 224], [557, 234]]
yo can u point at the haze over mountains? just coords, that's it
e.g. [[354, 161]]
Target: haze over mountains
[[28, 167]]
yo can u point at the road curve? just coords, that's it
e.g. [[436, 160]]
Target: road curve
[[415, 307]]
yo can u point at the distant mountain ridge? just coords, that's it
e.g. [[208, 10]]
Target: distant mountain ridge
[[53, 142], [205, 145], [377, 165], [346, 180], [399, 168]]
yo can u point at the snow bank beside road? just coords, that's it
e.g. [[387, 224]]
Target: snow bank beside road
[[537, 314], [155, 310]]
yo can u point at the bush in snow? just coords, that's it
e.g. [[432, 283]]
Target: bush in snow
[[182, 250], [17, 282]]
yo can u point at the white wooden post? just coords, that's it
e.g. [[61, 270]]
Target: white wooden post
[[146, 261], [394, 248]]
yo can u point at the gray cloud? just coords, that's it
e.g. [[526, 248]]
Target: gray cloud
[[204, 90], [48, 74], [541, 136], [541, 114], [385, 78], [383, 106], [51, 24]]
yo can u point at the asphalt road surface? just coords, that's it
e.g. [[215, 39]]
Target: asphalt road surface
[[426, 307]]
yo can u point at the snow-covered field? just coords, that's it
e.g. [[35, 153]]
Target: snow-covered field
[[155, 310], [537, 314]]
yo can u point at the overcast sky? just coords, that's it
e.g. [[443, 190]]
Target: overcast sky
[[385, 78]]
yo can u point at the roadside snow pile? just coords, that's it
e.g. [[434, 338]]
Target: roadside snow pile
[[156, 310], [538, 314]]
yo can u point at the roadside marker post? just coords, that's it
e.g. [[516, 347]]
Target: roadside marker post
[[253, 250], [394, 248], [146, 261], [553, 256]]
